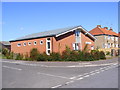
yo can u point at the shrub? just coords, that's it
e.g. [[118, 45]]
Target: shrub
[[5, 51], [95, 54], [19, 57], [102, 55], [107, 53], [26, 57], [55, 56], [34, 54], [10, 55], [43, 57]]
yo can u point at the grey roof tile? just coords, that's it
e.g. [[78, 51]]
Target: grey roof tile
[[45, 33]]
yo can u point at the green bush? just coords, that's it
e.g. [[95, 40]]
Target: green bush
[[102, 55], [34, 53], [26, 57], [19, 57], [43, 57], [55, 56], [107, 53], [10, 55], [95, 54], [5, 51]]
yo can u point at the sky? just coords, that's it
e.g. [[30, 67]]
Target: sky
[[23, 18]]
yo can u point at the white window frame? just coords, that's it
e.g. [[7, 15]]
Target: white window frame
[[34, 42], [24, 44], [41, 41], [116, 38], [109, 37], [47, 46], [19, 45], [29, 43], [88, 42], [75, 46]]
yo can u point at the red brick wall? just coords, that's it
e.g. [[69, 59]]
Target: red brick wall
[[26, 49], [58, 44], [61, 42], [84, 39]]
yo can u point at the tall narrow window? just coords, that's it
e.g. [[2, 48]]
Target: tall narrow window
[[48, 46], [77, 36]]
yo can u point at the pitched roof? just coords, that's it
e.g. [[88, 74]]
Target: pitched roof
[[99, 31], [5, 42], [56, 33]]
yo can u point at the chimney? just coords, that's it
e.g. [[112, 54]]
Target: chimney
[[106, 28], [111, 29], [99, 26]]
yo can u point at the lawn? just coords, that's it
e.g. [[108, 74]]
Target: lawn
[[2, 56]]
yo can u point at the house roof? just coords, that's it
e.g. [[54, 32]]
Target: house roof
[[56, 33], [5, 42], [101, 31]]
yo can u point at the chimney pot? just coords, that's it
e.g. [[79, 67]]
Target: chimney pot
[[111, 29], [106, 28], [99, 26]]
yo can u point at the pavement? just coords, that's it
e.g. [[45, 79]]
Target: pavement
[[31, 74]]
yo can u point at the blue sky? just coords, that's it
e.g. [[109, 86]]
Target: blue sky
[[22, 18]]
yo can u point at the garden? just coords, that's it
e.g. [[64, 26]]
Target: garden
[[66, 55]]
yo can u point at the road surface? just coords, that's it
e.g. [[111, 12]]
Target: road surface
[[26, 74]]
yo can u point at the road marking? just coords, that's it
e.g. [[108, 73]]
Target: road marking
[[86, 75], [80, 78], [12, 68], [69, 82], [53, 75], [56, 86]]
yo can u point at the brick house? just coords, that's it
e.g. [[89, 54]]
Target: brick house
[[5, 44], [107, 39], [54, 41]]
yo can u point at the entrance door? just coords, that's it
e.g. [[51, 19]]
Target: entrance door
[[48, 46]]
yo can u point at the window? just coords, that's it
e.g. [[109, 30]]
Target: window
[[75, 46], [35, 43], [29, 43], [88, 42], [116, 38], [77, 33], [116, 45], [24, 44], [48, 46], [48, 39], [41, 42], [108, 37], [48, 43], [108, 45], [112, 38], [92, 47], [18, 44]]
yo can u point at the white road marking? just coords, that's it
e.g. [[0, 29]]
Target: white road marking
[[53, 75], [80, 78], [92, 73], [69, 82], [87, 75], [12, 68], [56, 86]]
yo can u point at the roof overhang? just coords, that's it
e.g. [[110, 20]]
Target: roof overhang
[[77, 28]]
